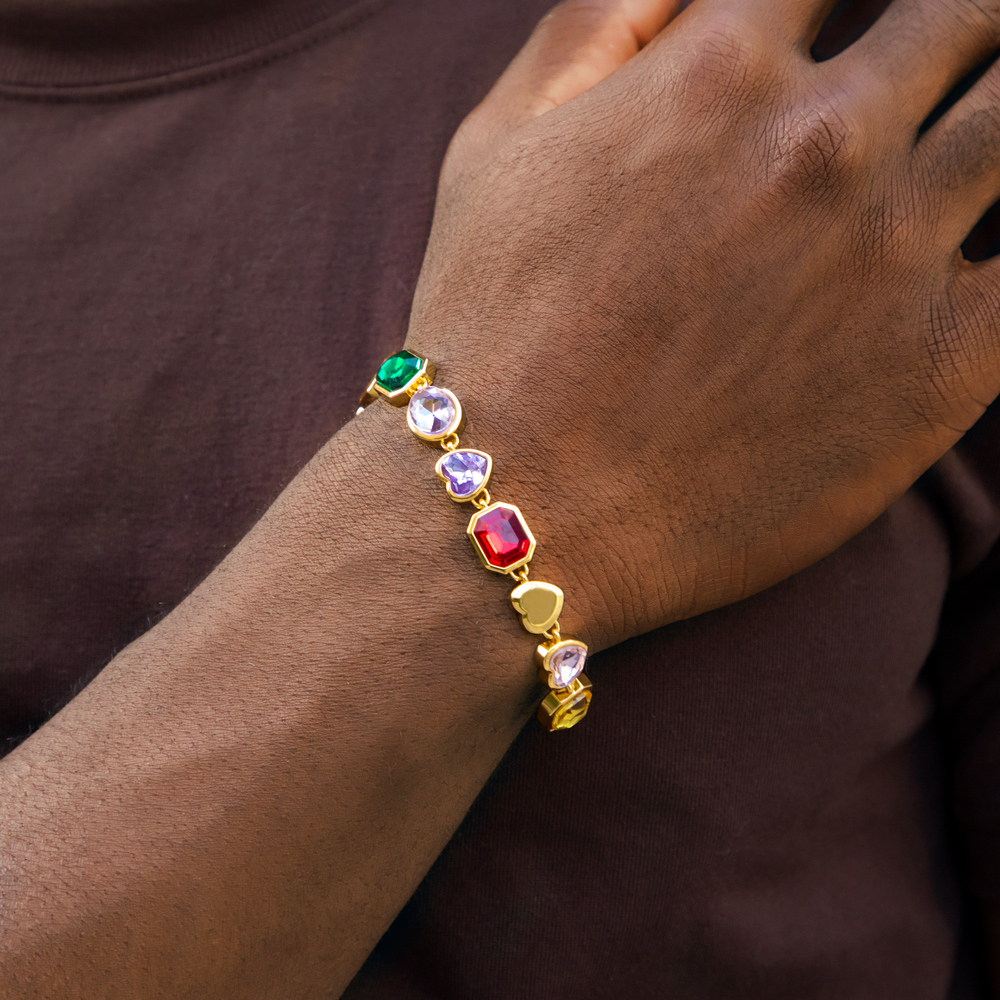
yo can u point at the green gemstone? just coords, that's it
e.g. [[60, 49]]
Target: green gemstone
[[398, 371]]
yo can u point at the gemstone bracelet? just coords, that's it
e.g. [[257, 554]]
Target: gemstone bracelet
[[497, 530]]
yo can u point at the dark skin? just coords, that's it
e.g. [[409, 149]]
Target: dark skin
[[240, 804]]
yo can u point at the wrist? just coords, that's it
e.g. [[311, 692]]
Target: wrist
[[583, 490]]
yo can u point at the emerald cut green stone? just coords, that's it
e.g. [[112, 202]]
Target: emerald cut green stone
[[398, 370]]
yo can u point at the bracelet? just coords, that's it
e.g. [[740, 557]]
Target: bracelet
[[497, 530]]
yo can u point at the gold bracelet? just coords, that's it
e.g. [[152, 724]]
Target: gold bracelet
[[497, 530]]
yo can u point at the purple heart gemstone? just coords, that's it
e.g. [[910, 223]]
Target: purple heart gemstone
[[466, 471]]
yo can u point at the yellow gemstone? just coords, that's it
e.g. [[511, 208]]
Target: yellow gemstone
[[565, 707]]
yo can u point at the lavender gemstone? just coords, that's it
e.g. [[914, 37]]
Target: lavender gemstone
[[432, 411], [465, 471], [566, 664]]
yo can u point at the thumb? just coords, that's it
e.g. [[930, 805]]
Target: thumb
[[574, 47]]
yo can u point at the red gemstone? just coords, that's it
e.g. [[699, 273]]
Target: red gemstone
[[502, 536]]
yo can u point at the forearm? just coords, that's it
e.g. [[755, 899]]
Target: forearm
[[250, 792]]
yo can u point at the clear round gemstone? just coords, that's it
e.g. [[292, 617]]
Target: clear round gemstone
[[566, 664], [465, 471], [432, 411]]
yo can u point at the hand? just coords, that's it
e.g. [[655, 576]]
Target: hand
[[710, 312]]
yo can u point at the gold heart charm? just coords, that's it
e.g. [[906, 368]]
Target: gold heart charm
[[538, 604]]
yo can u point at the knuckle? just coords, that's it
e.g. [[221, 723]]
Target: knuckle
[[727, 68], [814, 151]]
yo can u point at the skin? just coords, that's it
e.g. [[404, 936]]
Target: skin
[[242, 801]]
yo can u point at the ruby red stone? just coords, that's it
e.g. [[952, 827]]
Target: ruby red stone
[[502, 537]]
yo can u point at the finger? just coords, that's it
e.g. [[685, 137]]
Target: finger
[[575, 46], [958, 159], [919, 49]]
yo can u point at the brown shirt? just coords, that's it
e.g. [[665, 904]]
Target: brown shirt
[[211, 221]]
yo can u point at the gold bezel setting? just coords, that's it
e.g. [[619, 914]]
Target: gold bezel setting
[[438, 468], [544, 654], [470, 531], [565, 707], [401, 396], [455, 425]]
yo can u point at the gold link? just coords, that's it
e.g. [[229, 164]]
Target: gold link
[[420, 382], [521, 574], [450, 443], [553, 633], [482, 501]]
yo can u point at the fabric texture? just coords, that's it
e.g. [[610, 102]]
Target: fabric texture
[[212, 218]]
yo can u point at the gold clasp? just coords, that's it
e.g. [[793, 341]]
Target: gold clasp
[[420, 382]]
